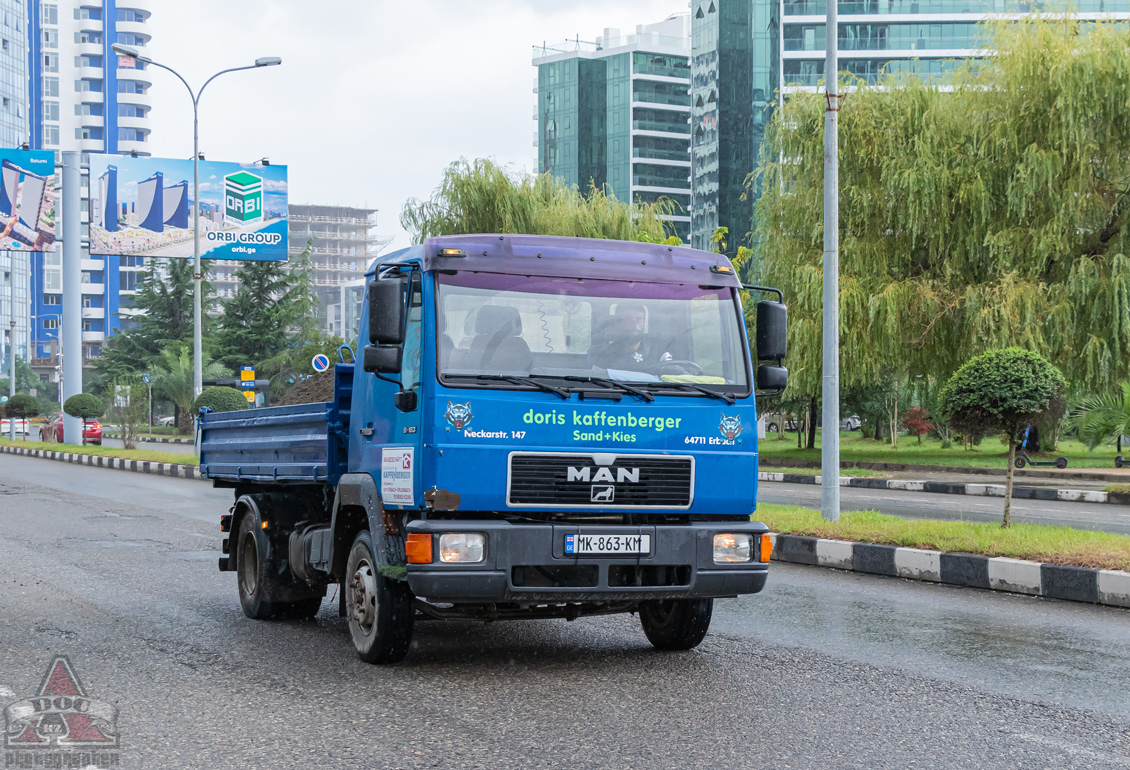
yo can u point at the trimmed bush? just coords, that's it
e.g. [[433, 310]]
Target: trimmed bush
[[221, 399], [22, 405], [85, 406]]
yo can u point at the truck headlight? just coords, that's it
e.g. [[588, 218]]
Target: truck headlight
[[462, 547], [732, 547]]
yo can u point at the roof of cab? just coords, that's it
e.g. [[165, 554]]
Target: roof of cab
[[552, 255]]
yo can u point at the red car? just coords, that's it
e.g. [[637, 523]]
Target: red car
[[92, 431]]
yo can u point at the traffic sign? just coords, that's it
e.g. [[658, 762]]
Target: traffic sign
[[320, 362], [3, 399], [145, 378], [250, 396], [247, 377]]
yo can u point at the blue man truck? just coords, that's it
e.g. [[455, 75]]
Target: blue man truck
[[536, 427]]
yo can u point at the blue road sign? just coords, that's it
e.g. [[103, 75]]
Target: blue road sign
[[321, 362]]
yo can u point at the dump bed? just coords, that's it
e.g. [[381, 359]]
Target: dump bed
[[299, 444]]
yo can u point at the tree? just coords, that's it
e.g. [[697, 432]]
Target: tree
[[986, 209], [482, 197], [85, 406], [1104, 417], [129, 407], [165, 297], [1004, 390], [21, 406], [172, 378], [302, 298], [916, 421], [220, 399]]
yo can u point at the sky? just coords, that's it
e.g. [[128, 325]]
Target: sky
[[373, 98]]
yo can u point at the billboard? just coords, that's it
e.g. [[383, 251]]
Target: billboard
[[27, 200], [144, 207]]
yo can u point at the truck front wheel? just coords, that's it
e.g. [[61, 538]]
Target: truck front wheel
[[380, 609], [676, 624]]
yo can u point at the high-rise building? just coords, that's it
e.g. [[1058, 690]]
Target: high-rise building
[[748, 54], [343, 241], [614, 113], [14, 268], [84, 97]]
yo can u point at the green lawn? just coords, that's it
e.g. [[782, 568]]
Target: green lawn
[[990, 454], [126, 454], [1035, 542], [1121, 488]]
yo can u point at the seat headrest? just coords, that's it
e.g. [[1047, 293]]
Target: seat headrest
[[491, 319]]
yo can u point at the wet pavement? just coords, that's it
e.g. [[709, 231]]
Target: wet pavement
[[825, 669]]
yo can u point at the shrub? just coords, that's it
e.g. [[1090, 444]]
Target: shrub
[[84, 405], [22, 405], [1004, 390], [221, 399]]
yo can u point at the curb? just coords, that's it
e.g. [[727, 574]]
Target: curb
[[153, 440], [956, 488], [1086, 474], [137, 466], [995, 573]]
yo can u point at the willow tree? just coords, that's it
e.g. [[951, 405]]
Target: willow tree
[[482, 197], [983, 210]]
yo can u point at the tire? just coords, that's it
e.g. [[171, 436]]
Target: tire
[[300, 610], [1119, 462], [772, 428], [252, 568], [1061, 462], [676, 624], [380, 610], [1019, 463]]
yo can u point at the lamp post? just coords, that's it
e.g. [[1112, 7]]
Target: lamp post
[[197, 275]]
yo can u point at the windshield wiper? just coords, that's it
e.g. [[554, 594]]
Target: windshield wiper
[[727, 397], [605, 382], [517, 380]]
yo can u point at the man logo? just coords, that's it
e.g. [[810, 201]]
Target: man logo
[[603, 493], [604, 473]]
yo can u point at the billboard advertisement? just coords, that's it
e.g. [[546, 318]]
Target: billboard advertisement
[[144, 207], [27, 200]]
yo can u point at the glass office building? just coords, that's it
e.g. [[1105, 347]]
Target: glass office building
[[614, 113]]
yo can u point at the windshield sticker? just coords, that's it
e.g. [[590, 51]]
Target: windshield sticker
[[459, 415]]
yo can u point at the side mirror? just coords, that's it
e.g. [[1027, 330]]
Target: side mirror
[[382, 359], [386, 312], [772, 331], [772, 378]]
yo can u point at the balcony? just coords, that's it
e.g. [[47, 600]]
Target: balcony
[[134, 27], [89, 49], [93, 288], [141, 99], [94, 312], [92, 265], [93, 336], [134, 74], [677, 129], [142, 148], [134, 122], [92, 121], [91, 145]]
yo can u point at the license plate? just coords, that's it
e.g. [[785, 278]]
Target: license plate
[[603, 545]]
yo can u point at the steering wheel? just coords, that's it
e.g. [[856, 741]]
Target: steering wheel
[[688, 367]]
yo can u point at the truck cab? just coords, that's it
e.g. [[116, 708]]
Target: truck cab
[[536, 427]]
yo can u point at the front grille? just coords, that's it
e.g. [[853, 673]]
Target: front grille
[[578, 481]]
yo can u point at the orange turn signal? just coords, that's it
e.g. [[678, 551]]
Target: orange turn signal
[[418, 548], [766, 550]]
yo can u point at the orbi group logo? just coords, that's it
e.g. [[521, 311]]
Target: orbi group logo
[[243, 197]]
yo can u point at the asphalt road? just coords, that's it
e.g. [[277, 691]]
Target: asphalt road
[[922, 505], [825, 669]]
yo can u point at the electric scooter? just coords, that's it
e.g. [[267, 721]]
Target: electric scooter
[[1023, 459]]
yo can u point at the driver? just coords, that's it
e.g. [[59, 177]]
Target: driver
[[626, 347]]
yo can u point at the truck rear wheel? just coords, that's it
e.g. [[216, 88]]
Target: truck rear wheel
[[380, 609], [676, 624], [252, 554]]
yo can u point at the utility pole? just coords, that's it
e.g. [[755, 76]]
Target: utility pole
[[11, 341], [71, 332], [830, 433]]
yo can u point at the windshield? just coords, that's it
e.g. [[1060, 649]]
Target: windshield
[[534, 326]]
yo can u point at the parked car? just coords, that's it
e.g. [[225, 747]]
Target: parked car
[[167, 421], [92, 431], [850, 423], [21, 428]]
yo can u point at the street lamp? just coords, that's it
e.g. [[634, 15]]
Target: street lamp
[[197, 275]]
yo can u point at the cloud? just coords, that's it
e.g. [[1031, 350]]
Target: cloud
[[374, 99]]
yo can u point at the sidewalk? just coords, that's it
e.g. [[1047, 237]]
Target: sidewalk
[[1072, 476]]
